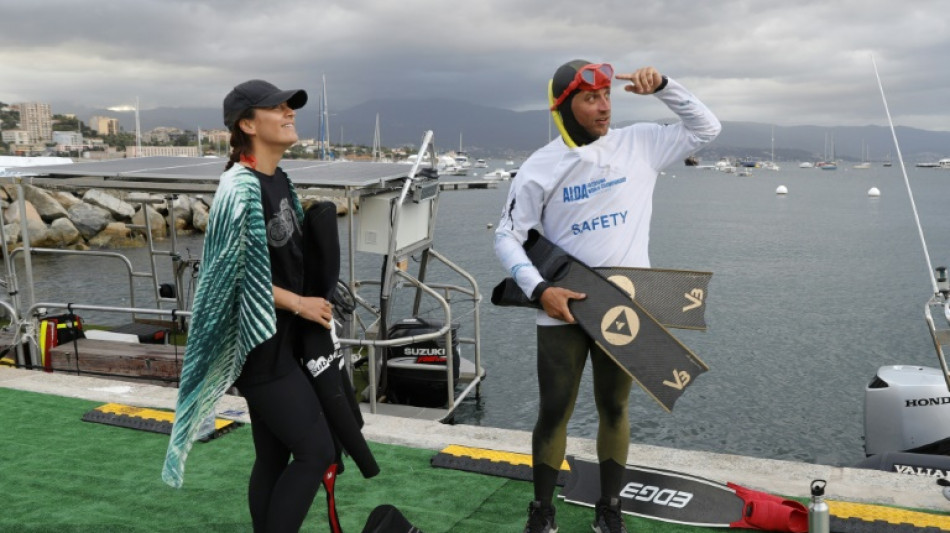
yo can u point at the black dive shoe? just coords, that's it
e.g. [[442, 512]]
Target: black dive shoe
[[608, 518], [540, 518]]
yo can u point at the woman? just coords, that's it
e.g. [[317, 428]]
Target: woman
[[245, 319]]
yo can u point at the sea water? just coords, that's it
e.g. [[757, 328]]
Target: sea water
[[811, 292]]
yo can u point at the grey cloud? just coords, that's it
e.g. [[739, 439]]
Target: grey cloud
[[751, 60]]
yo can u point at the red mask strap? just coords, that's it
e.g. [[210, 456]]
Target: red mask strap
[[249, 161]]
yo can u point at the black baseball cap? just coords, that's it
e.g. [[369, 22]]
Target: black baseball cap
[[258, 93]]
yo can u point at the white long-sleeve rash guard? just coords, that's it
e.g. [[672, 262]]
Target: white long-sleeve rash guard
[[596, 201]]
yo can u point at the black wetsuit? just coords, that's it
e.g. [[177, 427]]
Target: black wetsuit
[[292, 441]]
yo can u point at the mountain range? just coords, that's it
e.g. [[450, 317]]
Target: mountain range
[[494, 132]]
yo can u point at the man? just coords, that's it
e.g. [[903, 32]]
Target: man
[[590, 192]]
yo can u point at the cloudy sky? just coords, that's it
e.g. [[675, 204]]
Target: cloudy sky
[[784, 63]]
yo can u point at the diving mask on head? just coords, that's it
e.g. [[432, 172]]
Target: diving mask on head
[[568, 80]]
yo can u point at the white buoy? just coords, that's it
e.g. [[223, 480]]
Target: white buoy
[[874, 192], [781, 190]]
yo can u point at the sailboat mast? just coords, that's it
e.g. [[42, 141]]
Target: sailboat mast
[[326, 121], [773, 144], [376, 142], [138, 130]]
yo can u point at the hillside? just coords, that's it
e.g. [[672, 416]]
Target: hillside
[[494, 132]]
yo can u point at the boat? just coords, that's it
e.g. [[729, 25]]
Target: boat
[[770, 164], [944, 163], [448, 165], [509, 163], [725, 165], [480, 163], [497, 174], [907, 409], [806, 164], [461, 157], [744, 171], [865, 155], [398, 206], [828, 164]]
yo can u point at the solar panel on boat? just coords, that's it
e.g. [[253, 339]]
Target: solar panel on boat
[[330, 174]]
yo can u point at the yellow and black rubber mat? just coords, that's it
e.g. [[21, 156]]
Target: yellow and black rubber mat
[[144, 419]]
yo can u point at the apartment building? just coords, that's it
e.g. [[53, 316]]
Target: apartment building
[[16, 137], [104, 125], [174, 151], [36, 119]]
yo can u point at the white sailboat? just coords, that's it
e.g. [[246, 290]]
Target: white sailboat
[[865, 156], [770, 164], [461, 158], [829, 164], [377, 150]]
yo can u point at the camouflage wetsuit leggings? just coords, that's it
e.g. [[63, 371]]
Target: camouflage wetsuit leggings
[[562, 354]]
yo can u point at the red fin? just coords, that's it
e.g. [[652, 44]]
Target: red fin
[[768, 512]]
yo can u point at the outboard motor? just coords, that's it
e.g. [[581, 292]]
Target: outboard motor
[[907, 423], [907, 409]]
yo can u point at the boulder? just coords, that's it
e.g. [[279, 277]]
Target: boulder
[[182, 208], [119, 209], [12, 213], [114, 235], [155, 219], [36, 228], [12, 233], [8, 192], [63, 233], [66, 199], [46, 205], [89, 219], [199, 216], [42, 237], [181, 226]]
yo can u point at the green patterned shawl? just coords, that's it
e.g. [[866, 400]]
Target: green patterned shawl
[[233, 309]]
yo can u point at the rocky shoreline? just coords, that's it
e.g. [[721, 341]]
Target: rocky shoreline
[[83, 219]]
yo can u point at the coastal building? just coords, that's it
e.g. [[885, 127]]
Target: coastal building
[[104, 125], [16, 137], [68, 141], [162, 135], [173, 151], [217, 141], [37, 119]]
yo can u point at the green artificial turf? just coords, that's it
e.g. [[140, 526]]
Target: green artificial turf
[[60, 474]]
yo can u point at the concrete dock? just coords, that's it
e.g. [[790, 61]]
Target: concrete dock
[[778, 477]]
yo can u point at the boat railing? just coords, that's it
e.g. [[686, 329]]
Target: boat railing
[[445, 295], [14, 323], [937, 315], [178, 264], [27, 325], [99, 253], [448, 290], [371, 344]]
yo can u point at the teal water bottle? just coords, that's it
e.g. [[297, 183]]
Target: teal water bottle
[[818, 516]]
